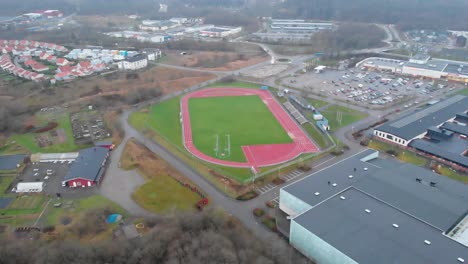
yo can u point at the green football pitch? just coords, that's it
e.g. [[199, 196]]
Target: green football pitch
[[233, 121]]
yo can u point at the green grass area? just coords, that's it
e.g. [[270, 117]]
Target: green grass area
[[25, 204], [245, 118], [28, 140], [164, 194], [464, 92], [446, 171], [349, 116], [5, 182], [316, 135], [76, 207], [406, 156], [317, 103], [236, 84]]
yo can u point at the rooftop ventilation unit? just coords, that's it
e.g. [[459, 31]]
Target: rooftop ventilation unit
[[368, 211], [365, 169], [342, 197], [427, 242], [334, 184], [350, 176], [395, 225], [461, 260], [317, 193]]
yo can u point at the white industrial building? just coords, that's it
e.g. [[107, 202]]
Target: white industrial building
[[298, 25], [29, 187], [220, 31], [420, 66], [136, 62]]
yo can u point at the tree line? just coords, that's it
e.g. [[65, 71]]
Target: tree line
[[408, 14], [209, 237]]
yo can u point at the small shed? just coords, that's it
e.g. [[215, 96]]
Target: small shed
[[29, 187]]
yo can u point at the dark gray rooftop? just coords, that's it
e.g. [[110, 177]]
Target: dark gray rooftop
[[451, 149], [457, 128], [414, 124], [372, 238], [391, 181], [88, 164], [137, 57], [431, 65], [9, 162]]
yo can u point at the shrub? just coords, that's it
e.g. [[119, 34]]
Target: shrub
[[392, 152], [247, 196], [270, 222], [277, 181], [258, 212], [48, 229], [48, 127], [270, 204], [305, 168]]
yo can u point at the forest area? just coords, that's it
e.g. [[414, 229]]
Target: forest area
[[209, 237], [408, 14]]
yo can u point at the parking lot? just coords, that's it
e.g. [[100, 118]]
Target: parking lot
[[367, 87], [50, 173]]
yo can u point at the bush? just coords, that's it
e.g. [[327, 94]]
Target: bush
[[258, 212], [364, 143], [270, 222], [48, 229], [48, 127], [305, 168], [270, 204], [277, 181], [337, 152], [392, 152], [247, 196]]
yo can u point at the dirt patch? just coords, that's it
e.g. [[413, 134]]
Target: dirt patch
[[137, 156], [61, 136], [218, 61]]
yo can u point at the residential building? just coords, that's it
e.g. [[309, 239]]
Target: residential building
[[367, 209]]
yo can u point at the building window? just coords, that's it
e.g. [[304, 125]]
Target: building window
[[78, 183], [390, 137]]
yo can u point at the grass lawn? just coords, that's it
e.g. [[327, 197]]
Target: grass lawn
[[245, 118], [317, 135], [25, 204], [446, 171], [236, 84], [55, 214], [163, 194], [406, 156], [28, 140], [464, 91], [5, 181], [317, 103], [349, 116]]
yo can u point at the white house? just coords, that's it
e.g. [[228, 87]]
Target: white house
[[139, 61], [29, 187]]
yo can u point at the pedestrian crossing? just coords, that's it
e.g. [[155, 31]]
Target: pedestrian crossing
[[292, 175]]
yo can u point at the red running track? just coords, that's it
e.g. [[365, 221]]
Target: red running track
[[256, 155]]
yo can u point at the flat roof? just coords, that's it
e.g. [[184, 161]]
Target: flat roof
[[391, 181], [367, 237], [9, 162], [451, 149], [414, 124]]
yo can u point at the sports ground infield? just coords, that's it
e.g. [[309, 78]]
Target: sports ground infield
[[238, 127]]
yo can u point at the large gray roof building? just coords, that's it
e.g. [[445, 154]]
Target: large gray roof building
[[367, 209], [440, 131]]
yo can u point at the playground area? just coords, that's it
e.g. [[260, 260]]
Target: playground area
[[239, 127]]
